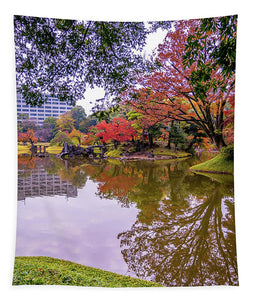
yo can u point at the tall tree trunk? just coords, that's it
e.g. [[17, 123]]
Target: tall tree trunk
[[150, 140], [115, 144], [169, 141], [219, 141]]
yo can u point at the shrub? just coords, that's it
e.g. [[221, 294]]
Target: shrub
[[114, 153], [60, 138], [228, 152]]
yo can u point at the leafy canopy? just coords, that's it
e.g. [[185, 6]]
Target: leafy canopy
[[63, 57], [190, 84]]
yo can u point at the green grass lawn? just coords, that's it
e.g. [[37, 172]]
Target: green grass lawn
[[218, 164], [23, 149], [168, 152], [51, 271], [160, 151], [50, 149], [54, 149]]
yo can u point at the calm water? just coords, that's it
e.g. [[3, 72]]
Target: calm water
[[152, 220]]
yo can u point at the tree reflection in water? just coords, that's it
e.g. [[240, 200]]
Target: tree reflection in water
[[184, 234], [185, 231], [186, 243]]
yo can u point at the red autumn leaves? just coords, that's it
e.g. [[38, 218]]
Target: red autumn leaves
[[119, 130]]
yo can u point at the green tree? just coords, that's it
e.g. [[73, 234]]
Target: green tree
[[51, 123], [60, 138], [63, 57], [86, 124], [78, 114], [223, 53], [65, 122], [176, 136], [197, 136], [154, 132]]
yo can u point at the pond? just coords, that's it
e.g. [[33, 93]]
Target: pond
[[153, 220]]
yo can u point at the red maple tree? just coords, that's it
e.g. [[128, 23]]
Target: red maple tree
[[119, 130], [197, 92]]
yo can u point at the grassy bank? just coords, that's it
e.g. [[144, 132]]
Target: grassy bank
[[158, 152], [168, 152], [23, 149], [218, 164], [50, 271], [50, 149]]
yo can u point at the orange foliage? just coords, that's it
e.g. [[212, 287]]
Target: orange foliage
[[76, 134], [29, 136], [88, 139], [118, 185], [169, 93], [26, 162]]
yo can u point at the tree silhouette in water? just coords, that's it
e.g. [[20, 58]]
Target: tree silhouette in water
[[186, 246]]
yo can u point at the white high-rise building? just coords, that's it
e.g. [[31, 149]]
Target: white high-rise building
[[51, 108]]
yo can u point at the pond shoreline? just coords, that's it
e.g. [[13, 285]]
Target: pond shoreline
[[102, 205], [143, 157], [217, 165], [211, 172]]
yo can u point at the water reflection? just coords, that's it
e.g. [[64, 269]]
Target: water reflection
[[36, 182], [185, 246], [184, 232]]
